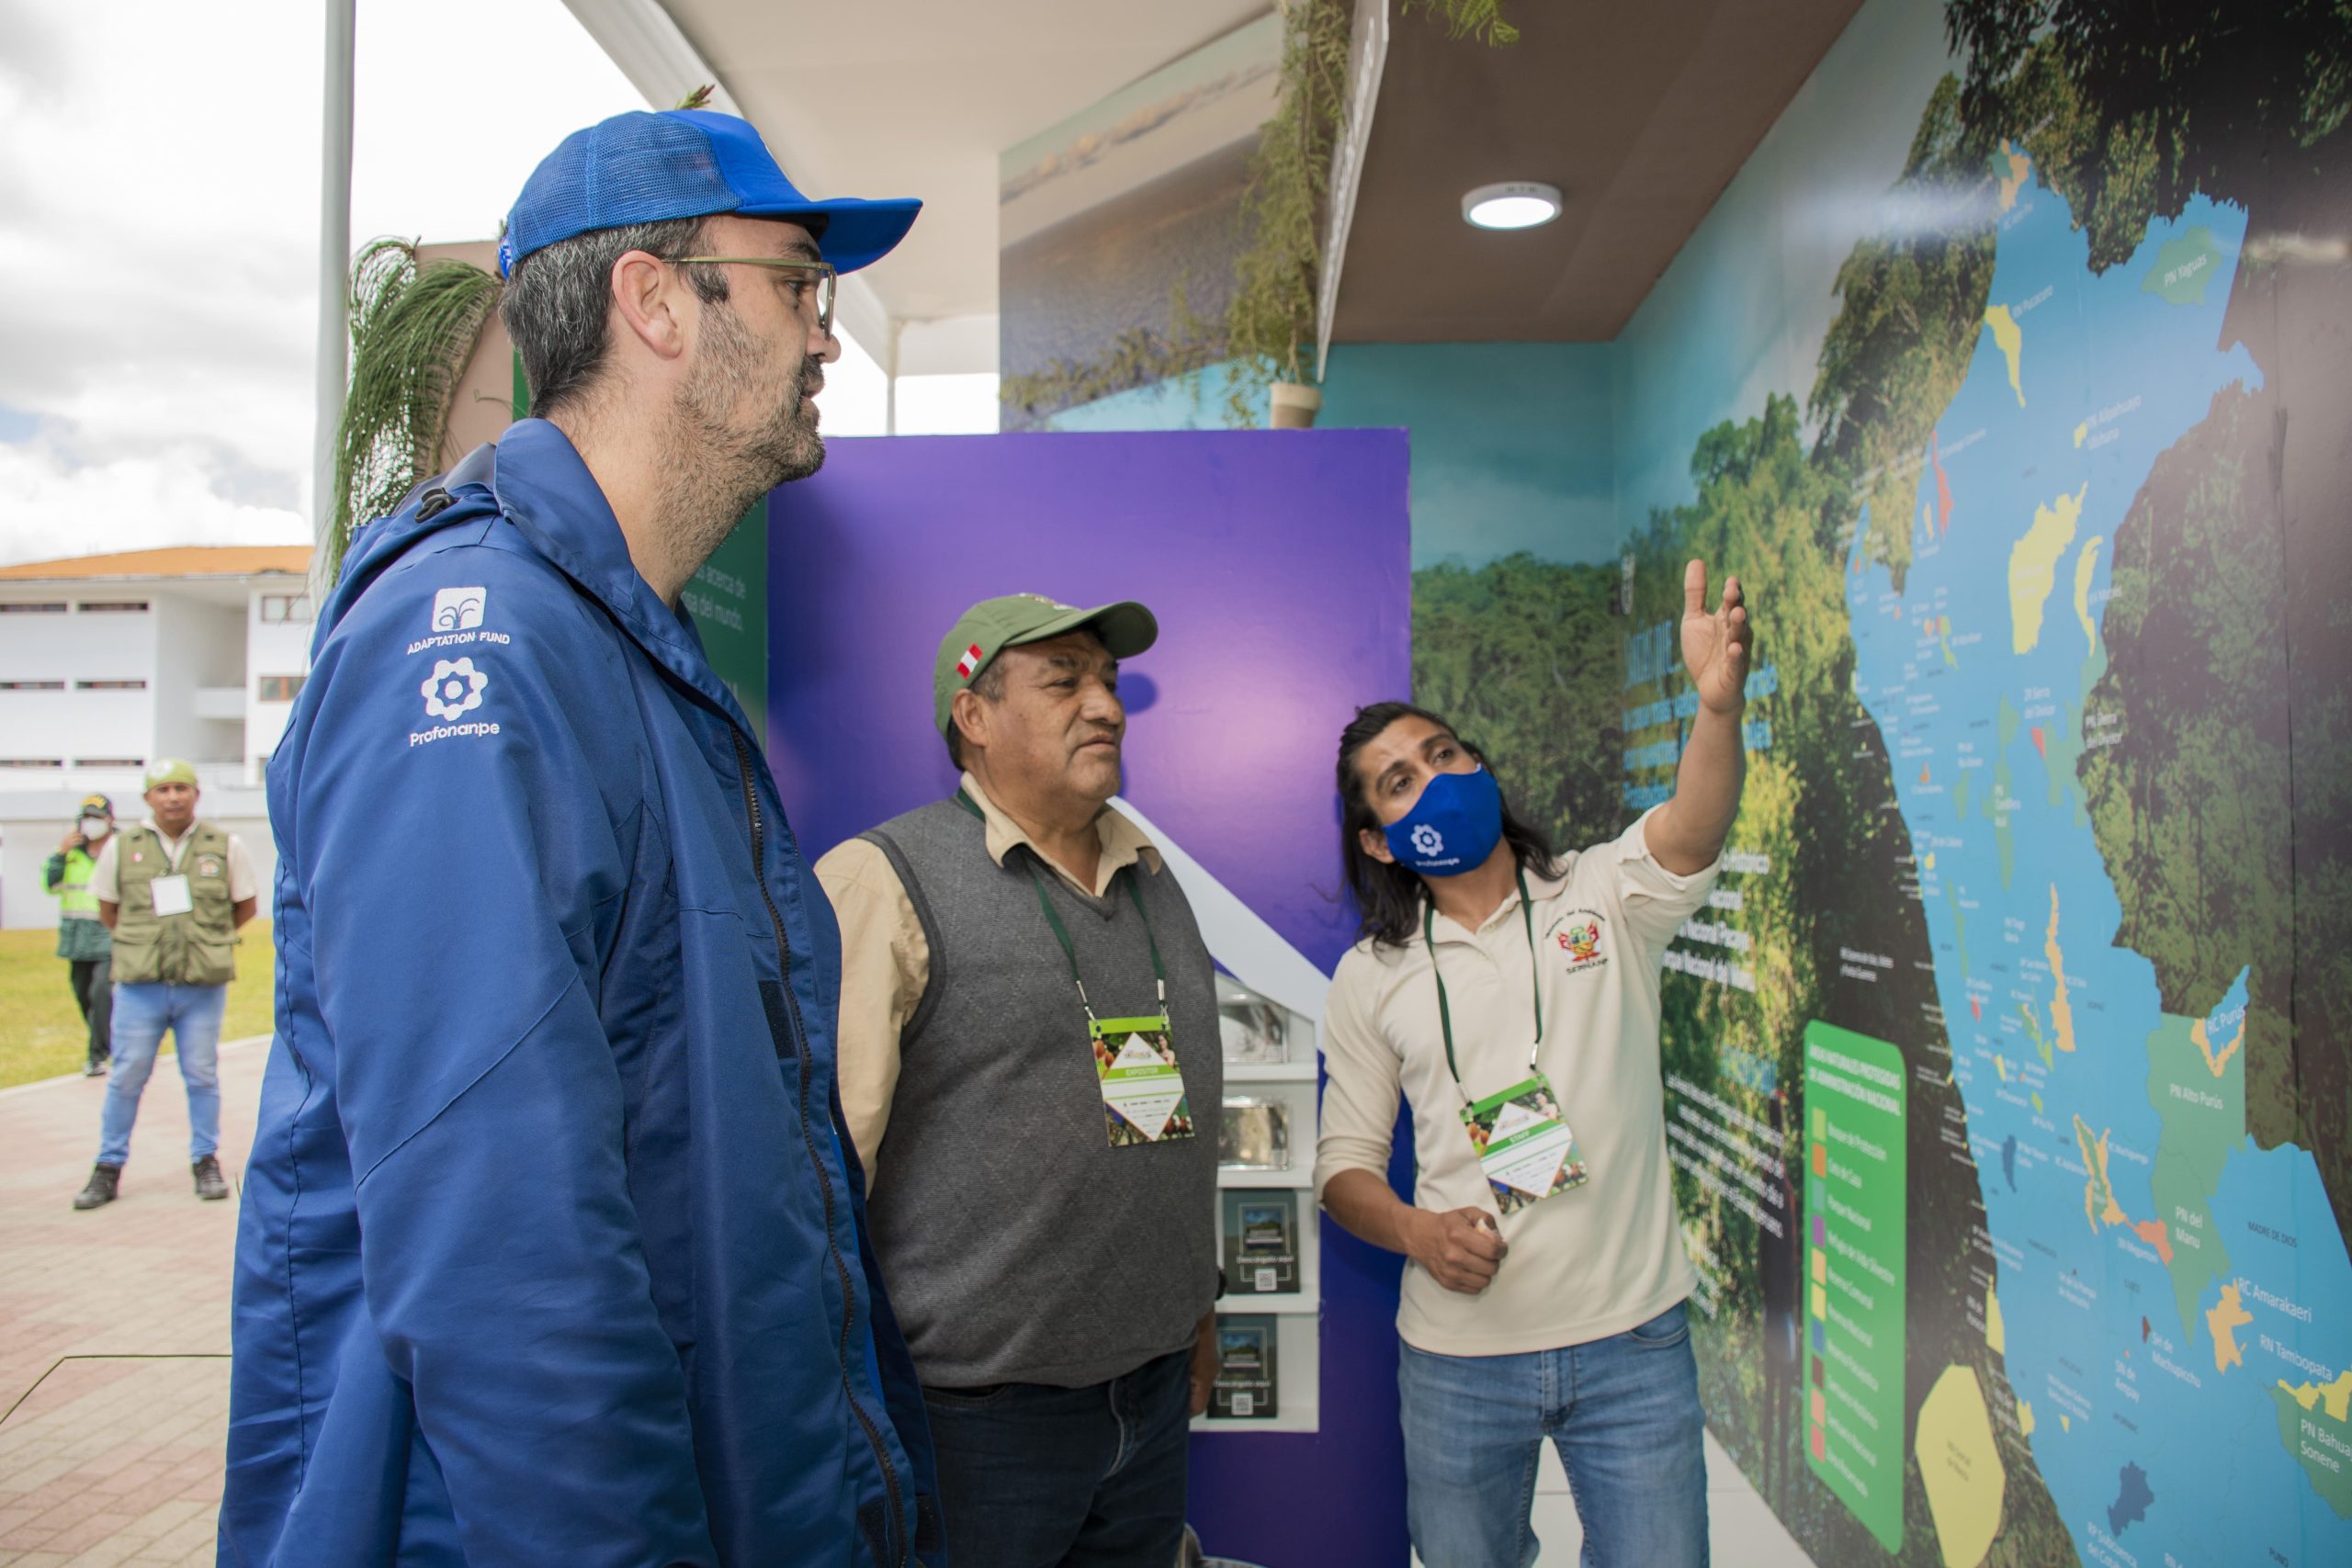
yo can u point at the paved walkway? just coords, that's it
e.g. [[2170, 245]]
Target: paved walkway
[[114, 1459]]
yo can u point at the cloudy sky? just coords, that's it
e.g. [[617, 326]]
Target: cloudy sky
[[159, 206]]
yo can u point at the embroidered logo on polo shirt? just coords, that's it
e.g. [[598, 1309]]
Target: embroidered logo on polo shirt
[[1579, 934]]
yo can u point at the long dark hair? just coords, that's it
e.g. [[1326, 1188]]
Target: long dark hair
[[1389, 897]]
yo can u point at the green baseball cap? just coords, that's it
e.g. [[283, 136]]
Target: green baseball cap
[[991, 627], [170, 770]]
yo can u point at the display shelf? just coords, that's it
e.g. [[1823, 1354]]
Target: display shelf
[[1299, 1175], [1253, 1026], [1269, 1072]]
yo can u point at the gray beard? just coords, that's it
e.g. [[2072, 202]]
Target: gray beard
[[717, 469]]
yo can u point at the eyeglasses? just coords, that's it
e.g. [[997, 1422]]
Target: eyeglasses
[[826, 281]]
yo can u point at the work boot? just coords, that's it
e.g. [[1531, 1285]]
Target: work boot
[[208, 1184], [105, 1179]]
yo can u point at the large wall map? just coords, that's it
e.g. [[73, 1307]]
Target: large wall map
[[2006, 1116]]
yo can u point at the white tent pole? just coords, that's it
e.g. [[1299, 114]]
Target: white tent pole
[[334, 262]]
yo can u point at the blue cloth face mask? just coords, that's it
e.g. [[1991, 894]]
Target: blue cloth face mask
[[1453, 828]]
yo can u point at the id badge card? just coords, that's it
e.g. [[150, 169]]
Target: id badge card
[[1143, 1089], [171, 897], [1525, 1149]]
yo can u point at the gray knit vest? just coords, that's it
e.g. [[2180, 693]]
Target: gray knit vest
[[1018, 1246]]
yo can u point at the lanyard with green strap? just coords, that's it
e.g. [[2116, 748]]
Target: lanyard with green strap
[[1534, 975], [1061, 933]]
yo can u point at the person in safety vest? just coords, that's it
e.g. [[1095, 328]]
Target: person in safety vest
[[81, 938], [174, 891], [553, 1249]]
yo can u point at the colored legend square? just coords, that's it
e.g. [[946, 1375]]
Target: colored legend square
[[1820, 1445], [1820, 1342], [1820, 1302], [1821, 1159], [1820, 1125], [1820, 1230], [1820, 1372], [1821, 1267], [1820, 1408]]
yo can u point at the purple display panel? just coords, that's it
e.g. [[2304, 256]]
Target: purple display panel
[[1277, 563]]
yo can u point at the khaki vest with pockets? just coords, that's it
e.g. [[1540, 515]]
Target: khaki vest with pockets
[[195, 949]]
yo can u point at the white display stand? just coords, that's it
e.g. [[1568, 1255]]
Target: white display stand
[[1258, 966], [1297, 1314]]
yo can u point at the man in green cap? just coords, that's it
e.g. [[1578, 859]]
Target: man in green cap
[[82, 939], [174, 891], [1031, 1072]]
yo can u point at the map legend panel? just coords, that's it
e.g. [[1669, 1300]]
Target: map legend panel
[[1854, 1233]]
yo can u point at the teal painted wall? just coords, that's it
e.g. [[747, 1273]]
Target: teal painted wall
[[1511, 441]]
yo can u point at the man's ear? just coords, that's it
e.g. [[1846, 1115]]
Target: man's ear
[[1375, 845], [969, 715], [647, 296]]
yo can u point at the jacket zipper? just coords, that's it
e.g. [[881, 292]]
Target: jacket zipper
[[808, 1137]]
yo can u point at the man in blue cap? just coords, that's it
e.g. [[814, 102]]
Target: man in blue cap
[[553, 1249]]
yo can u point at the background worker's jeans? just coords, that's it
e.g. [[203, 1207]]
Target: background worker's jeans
[[1622, 1411], [142, 1013], [93, 983], [1031, 1476]]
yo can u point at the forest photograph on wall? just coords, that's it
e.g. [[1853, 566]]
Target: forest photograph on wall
[[2008, 1072]]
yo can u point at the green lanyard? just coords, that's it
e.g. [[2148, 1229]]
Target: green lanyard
[[1061, 933], [1534, 975]]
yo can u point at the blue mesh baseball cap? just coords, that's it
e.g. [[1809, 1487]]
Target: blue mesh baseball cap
[[646, 167]]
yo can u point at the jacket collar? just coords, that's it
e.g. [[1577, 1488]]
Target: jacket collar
[[546, 490]]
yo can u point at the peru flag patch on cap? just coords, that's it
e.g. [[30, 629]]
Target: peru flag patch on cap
[[970, 663]]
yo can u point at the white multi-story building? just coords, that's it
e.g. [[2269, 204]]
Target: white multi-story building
[[109, 662]]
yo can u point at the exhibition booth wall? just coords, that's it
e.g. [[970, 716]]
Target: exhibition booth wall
[[1278, 569], [2008, 1071]]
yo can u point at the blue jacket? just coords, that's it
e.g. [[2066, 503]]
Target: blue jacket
[[552, 1248]]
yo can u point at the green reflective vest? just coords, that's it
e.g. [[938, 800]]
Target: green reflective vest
[[197, 948], [80, 933]]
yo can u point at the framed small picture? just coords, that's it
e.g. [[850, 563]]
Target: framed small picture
[[1246, 1376], [1260, 1242]]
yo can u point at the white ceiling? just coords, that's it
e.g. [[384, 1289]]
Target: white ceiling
[[917, 98], [1654, 108]]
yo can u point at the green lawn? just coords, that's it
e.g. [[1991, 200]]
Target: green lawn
[[40, 1029]]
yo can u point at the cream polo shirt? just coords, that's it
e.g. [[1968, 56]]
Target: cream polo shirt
[[106, 871], [1584, 1264], [886, 959]]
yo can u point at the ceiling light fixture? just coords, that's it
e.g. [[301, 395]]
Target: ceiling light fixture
[[1514, 204]]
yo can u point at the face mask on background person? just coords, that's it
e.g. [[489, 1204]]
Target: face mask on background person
[[96, 827], [1453, 828]]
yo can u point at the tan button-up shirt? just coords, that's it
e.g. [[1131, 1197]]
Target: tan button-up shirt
[[886, 960]]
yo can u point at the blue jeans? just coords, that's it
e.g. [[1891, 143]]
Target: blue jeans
[[142, 1013], [1031, 1476], [1622, 1411]]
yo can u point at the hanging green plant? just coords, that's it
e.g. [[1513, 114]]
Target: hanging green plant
[[1270, 318], [1480, 19], [1139, 356], [413, 329], [1268, 326]]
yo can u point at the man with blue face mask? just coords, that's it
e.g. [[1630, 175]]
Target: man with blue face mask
[[1511, 997]]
